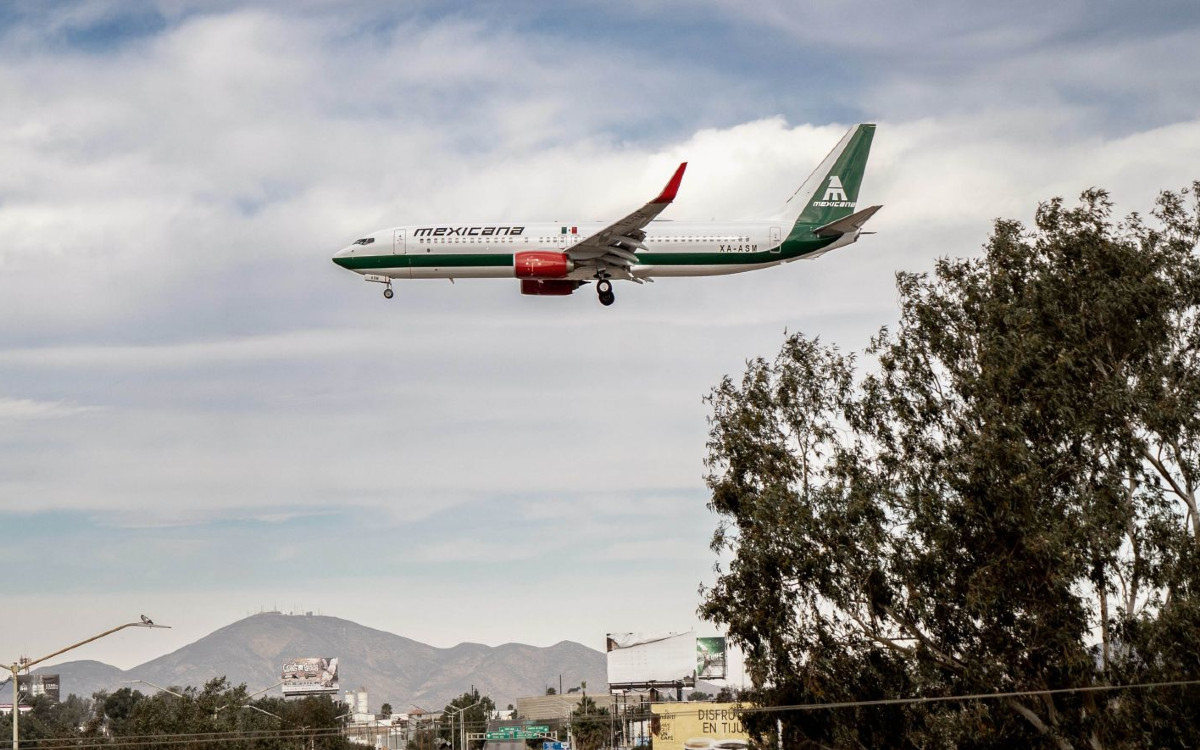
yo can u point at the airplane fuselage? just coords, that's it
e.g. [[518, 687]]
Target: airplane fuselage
[[491, 250]]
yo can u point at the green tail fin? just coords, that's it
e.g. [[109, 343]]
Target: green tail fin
[[831, 191]]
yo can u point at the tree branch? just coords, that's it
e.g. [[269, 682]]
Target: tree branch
[[1037, 722], [1187, 498], [879, 638], [926, 641]]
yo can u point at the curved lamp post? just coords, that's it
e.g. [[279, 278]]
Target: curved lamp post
[[462, 723], [157, 687], [25, 664], [248, 697]]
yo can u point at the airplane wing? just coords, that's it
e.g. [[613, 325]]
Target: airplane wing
[[613, 247]]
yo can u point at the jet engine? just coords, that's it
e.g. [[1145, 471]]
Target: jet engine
[[542, 264]]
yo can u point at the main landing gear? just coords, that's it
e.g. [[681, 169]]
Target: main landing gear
[[605, 293]]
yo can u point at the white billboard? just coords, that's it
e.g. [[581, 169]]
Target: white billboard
[[310, 676], [646, 657]]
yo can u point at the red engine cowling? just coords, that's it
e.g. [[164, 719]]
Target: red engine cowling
[[542, 265], [549, 287]]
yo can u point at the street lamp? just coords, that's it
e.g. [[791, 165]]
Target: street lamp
[[25, 664], [151, 684], [268, 713], [248, 697], [462, 725]]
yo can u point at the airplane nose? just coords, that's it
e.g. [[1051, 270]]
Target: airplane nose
[[340, 256]]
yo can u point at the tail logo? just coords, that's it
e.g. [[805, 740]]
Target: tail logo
[[835, 191], [835, 195]]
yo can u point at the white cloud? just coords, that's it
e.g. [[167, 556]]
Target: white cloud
[[20, 409], [399, 406]]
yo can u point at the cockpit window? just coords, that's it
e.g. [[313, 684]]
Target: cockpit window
[[364, 241]]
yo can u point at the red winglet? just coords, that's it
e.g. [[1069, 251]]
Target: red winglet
[[668, 193]]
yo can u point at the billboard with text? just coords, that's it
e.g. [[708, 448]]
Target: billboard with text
[[645, 657], [698, 726], [316, 675]]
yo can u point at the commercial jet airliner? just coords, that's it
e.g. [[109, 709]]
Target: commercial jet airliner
[[557, 258]]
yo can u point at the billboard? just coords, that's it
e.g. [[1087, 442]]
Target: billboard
[[704, 726], [710, 658], [33, 685], [310, 676], [642, 657]]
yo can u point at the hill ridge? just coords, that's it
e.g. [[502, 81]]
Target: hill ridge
[[393, 668]]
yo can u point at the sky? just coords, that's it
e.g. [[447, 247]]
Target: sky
[[202, 417]]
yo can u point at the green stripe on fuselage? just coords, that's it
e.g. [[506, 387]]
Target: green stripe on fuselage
[[456, 260], [791, 248]]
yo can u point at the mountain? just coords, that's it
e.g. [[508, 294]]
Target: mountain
[[392, 668]]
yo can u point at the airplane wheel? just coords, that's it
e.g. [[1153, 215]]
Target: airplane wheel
[[387, 293], [604, 286], [607, 298]]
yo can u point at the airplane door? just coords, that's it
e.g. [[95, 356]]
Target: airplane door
[[398, 243], [774, 241]]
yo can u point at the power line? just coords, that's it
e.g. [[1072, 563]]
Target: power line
[[227, 732], [193, 737], [944, 698], [181, 739]]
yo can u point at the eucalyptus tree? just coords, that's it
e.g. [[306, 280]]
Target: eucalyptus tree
[[1001, 498]]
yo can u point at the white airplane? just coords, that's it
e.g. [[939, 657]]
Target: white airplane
[[558, 258]]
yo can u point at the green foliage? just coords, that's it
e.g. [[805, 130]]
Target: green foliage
[[48, 720], [171, 722], [1004, 501], [591, 726]]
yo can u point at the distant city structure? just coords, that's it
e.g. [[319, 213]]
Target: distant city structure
[[552, 707], [34, 685], [357, 701]]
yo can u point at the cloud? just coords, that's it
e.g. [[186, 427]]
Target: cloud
[[183, 362], [21, 409], [453, 393]]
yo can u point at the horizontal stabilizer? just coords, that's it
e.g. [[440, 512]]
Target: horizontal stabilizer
[[851, 223]]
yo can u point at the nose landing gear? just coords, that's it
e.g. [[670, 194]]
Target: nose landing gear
[[605, 293], [381, 279]]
